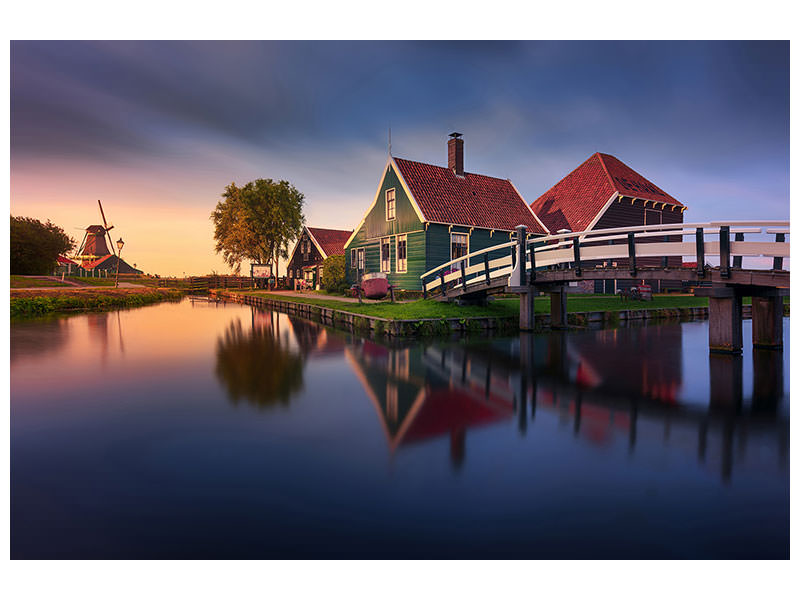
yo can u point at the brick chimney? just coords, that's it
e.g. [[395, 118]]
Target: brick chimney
[[455, 154]]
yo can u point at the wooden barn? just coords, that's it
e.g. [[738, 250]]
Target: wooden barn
[[424, 215], [314, 245], [603, 193]]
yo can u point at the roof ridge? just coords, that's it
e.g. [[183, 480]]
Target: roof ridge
[[330, 229], [600, 156], [446, 169]]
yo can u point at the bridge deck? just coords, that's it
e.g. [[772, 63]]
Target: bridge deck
[[550, 278]]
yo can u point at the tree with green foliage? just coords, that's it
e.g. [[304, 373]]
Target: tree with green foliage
[[257, 222], [333, 274], [35, 246]]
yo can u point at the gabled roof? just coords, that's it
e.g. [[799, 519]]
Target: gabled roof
[[109, 261], [577, 201], [329, 241], [472, 200]]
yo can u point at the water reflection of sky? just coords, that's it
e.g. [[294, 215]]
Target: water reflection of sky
[[275, 436]]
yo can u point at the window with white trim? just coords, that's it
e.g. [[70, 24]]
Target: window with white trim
[[390, 205], [459, 245], [353, 264], [386, 262], [360, 259], [652, 217], [401, 253]]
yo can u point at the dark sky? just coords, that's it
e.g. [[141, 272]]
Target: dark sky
[[168, 124]]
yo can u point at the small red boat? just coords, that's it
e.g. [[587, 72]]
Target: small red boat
[[375, 285]]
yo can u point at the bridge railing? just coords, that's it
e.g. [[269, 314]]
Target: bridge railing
[[477, 270]]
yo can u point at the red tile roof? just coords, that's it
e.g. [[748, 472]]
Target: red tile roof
[[576, 200], [472, 200], [332, 241], [63, 260]]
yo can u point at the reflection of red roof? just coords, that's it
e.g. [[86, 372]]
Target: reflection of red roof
[[446, 410], [577, 199], [331, 241], [472, 200]]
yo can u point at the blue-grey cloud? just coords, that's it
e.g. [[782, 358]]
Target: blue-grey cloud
[[529, 110]]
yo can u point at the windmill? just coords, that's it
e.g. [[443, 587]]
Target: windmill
[[94, 245]]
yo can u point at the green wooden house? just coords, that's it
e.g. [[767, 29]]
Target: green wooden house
[[424, 215]]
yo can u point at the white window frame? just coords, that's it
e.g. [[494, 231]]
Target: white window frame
[[459, 233], [353, 259], [394, 205], [360, 259], [655, 210], [386, 266], [400, 267]]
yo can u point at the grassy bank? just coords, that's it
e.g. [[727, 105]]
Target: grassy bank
[[500, 307], [25, 304], [22, 281]]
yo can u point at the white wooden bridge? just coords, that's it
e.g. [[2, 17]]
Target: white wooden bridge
[[527, 265]]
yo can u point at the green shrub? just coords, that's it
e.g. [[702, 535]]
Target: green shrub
[[333, 274]]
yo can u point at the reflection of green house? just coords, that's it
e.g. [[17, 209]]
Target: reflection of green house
[[424, 215], [417, 400]]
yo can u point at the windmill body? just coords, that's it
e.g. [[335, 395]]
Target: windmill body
[[94, 254]]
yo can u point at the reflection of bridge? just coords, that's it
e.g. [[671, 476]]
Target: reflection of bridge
[[422, 393], [529, 265]]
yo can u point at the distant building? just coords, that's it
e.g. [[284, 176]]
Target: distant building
[[604, 193], [425, 215], [313, 246]]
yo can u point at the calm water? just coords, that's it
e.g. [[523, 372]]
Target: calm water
[[197, 430]]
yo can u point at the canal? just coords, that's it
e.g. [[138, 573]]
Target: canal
[[210, 430]]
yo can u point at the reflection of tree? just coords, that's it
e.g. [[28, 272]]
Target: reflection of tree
[[254, 366]]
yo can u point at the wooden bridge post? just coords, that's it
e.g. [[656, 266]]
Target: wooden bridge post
[[522, 251], [725, 251], [558, 308], [632, 253], [725, 320], [767, 311], [777, 262], [526, 310], [737, 260], [700, 252]]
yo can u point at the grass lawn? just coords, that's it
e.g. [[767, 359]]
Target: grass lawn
[[95, 281], [500, 307], [419, 309], [18, 281]]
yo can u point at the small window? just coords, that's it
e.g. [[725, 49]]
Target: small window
[[353, 264], [459, 245], [390, 208], [401, 252], [291, 273], [652, 217], [386, 263], [360, 259]]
